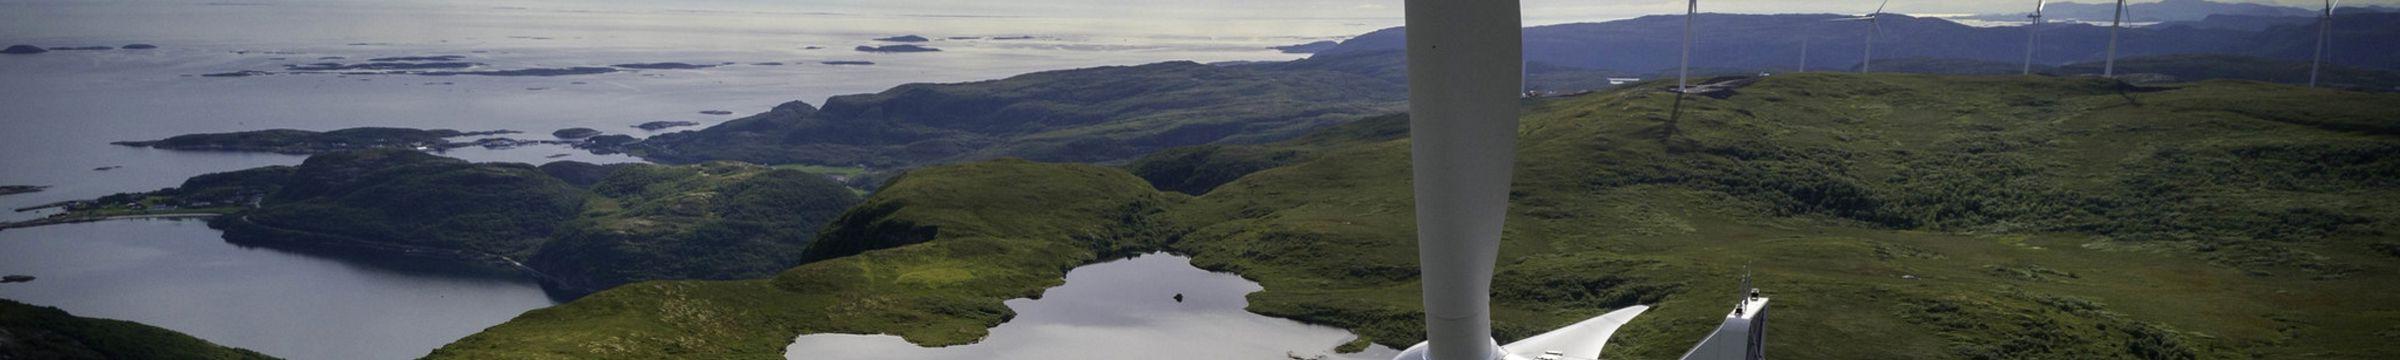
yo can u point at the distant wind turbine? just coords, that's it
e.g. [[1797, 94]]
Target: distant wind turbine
[[1803, 53], [1875, 29], [2324, 35], [2110, 70], [2033, 33], [1684, 73]]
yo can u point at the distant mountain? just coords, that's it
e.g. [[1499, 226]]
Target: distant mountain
[[2168, 10], [1119, 113], [1773, 42], [2172, 68], [2242, 22], [1085, 115]]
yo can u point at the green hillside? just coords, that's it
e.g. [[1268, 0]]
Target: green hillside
[[1084, 115], [41, 332], [411, 198], [980, 247], [2043, 217], [1938, 216], [583, 227], [718, 220]]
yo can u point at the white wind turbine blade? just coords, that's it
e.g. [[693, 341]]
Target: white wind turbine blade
[[1583, 340], [1879, 8]]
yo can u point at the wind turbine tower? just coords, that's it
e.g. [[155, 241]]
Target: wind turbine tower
[[1683, 73], [1466, 71], [2324, 35], [1875, 29], [2033, 32], [2110, 69]]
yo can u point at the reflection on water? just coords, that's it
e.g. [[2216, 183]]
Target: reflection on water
[[181, 276], [1121, 309]]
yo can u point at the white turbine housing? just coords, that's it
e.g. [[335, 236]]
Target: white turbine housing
[[1743, 335]]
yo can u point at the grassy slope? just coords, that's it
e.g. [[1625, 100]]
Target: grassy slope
[[1006, 229], [412, 198], [2043, 218], [1199, 169], [718, 220], [41, 332], [2046, 218]]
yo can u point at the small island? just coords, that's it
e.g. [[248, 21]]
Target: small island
[[579, 70], [664, 66], [15, 279], [575, 133], [140, 47], [847, 62], [421, 58], [663, 125], [380, 66], [302, 142], [895, 49], [905, 38], [23, 50], [243, 73], [716, 112], [20, 189], [1309, 48]]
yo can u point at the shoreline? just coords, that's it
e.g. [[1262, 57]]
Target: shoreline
[[78, 220], [294, 240]]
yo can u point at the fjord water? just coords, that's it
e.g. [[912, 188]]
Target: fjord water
[[1119, 309], [60, 110], [179, 275]]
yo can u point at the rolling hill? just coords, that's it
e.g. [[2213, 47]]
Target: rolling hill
[[581, 227], [1085, 115], [42, 332], [1942, 216]]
